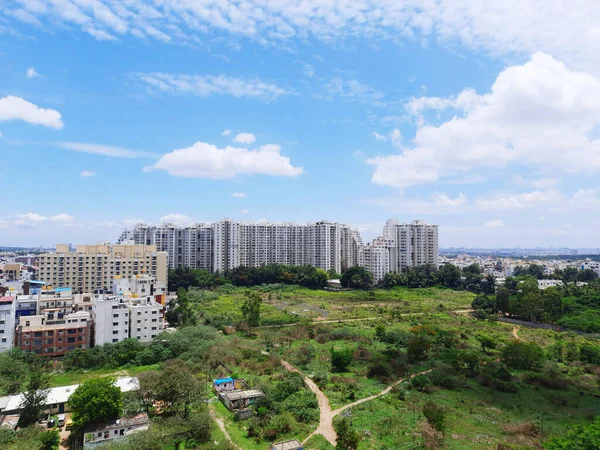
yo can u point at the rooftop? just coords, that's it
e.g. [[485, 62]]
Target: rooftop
[[293, 444], [238, 395], [140, 419]]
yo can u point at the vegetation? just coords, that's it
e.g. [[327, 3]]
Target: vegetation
[[347, 437], [96, 401], [251, 309], [357, 278], [34, 399], [579, 438]]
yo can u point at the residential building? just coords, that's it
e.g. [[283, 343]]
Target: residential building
[[293, 444], [111, 319], [91, 268], [376, 258], [7, 322], [53, 334], [234, 400], [117, 429]]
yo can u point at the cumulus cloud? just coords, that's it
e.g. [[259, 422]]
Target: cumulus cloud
[[586, 199], [87, 173], [444, 200], [351, 91], [17, 108], [206, 85], [31, 73], [238, 195], [203, 160], [226, 133], [540, 183], [180, 220], [539, 114], [32, 219], [498, 223], [245, 138], [106, 150], [244, 211], [379, 137]]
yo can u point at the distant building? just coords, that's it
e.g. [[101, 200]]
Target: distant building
[[118, 429], [91, 268]]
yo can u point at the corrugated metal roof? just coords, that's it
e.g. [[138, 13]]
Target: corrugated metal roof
[[238, 395], [223, 380], [293, 444]]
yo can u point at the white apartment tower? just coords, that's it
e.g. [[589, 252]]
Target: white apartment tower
[[7, 322]]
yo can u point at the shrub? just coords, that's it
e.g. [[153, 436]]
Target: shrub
[[589, 353], [435, 415], [522, 355], [341, 359]]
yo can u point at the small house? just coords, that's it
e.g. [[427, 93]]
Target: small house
[[120, 428], [288, 445], [223, 384], [235, 400]]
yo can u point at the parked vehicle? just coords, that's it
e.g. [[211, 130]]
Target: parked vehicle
[[61, 420]]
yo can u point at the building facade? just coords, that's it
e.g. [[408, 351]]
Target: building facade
[[7, 322], [91, 268], [50, 335]]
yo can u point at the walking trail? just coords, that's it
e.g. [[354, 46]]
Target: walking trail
[[221, 426], [515, 333], [325, 427]]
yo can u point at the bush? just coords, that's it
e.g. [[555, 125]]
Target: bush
[[435, 415], [589, 353], [341, 359], [522, 355]]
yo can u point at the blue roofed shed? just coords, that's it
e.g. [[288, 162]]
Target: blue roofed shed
[[223, 384]]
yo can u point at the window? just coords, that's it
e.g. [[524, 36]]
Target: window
[[115, 332], [70, 339], [116, 316], [3, 339], [115, 340], [115, 324]]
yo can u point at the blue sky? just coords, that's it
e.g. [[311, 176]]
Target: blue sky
[[484, 121]]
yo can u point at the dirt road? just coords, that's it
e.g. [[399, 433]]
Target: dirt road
[[515, 333], [221, 426]]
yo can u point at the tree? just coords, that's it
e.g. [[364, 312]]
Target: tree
[[50, 440], [485, 303], [347, 437], [488, 284], [522, 355], [96, 401], [341, 359], [357, 278], [175, 385], [449, 276], [502, 299], [34, 399], [251, 309]]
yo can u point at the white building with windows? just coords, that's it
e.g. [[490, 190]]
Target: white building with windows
[[111, 319], [7, 322]]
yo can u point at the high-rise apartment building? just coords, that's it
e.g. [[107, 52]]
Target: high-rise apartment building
[[92, 267], [226, 244], [7, 322]]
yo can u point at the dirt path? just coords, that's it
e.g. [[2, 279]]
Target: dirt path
[[326, 415], [325, 427], [221, 426], [515, 333]]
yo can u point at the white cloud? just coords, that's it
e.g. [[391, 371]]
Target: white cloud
[[61, 218], [351, 91], [245, 138], [238, 195], [539, 115], [586, 199], [498, 223], [206, 85], [396, 138], [31, 73], [32, 219], [180, 220], [87, 173], [379, 137], [440, 199], [203, 160], [541, 183], [244, 211], [509, 26], [106, 150], [226, 133], [16, 108], [534, 199], [100, 35]]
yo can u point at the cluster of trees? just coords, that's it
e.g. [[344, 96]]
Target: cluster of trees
[[568, 305], [307, 276], [187, 340], [567, 275], [470, 278]]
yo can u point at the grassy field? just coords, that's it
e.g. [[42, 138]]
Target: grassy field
[[67, 378], [291, 304]]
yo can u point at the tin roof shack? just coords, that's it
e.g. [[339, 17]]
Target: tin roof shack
[[223, 384], [235, 400], [118, 429], [288, 445]]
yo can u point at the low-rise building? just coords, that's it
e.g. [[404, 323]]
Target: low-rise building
[[234, 400], [52, 333], [117, 429], [293, 444]]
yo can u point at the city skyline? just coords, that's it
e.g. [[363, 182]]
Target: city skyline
[[486, 124]]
